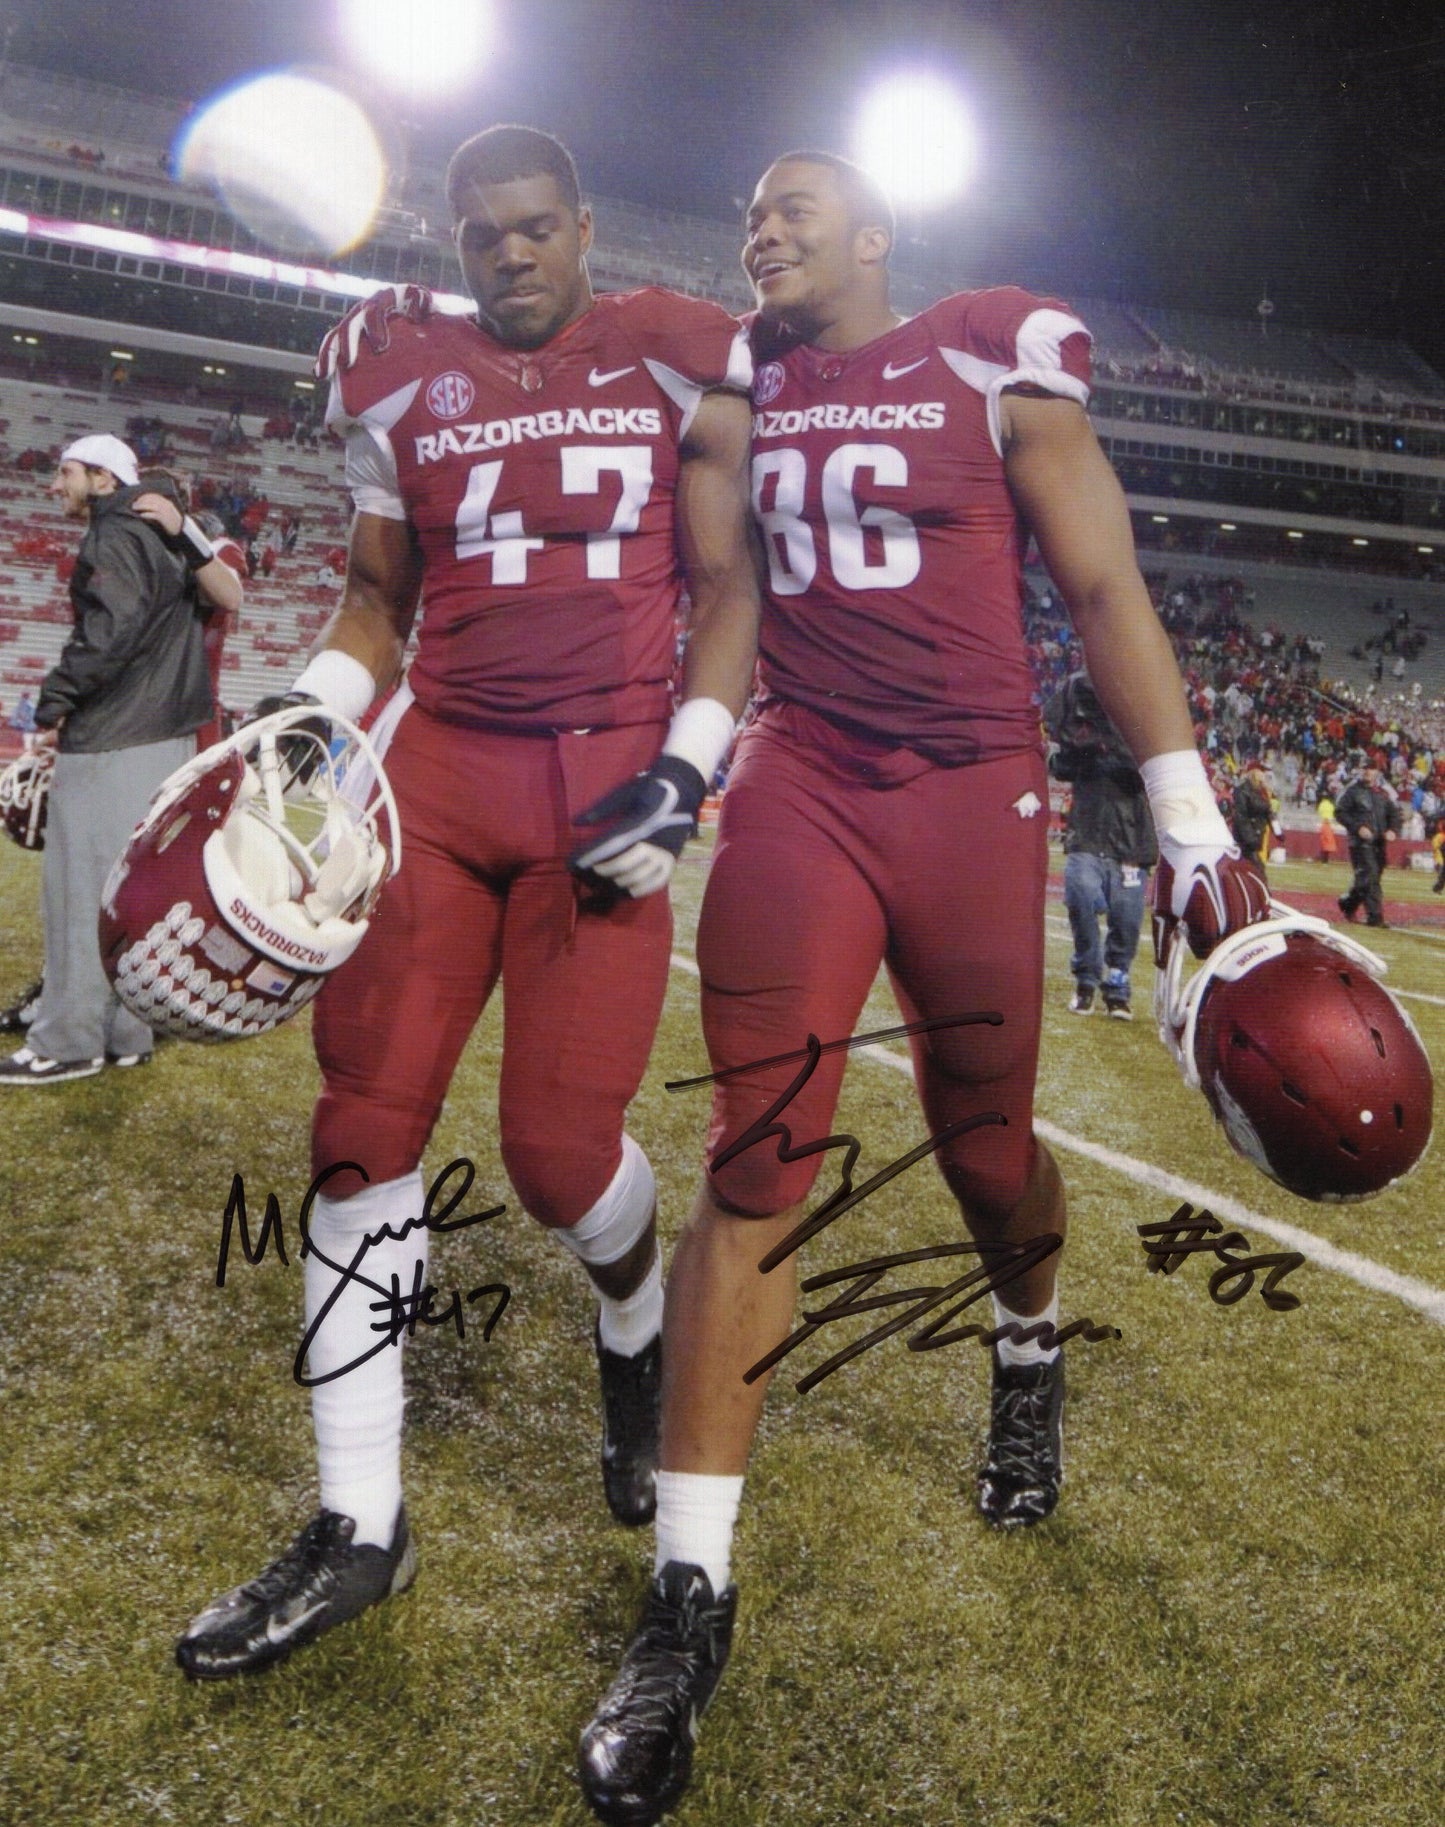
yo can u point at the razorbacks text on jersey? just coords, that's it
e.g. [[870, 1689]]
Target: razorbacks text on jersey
[[540, 483], [893, 545]]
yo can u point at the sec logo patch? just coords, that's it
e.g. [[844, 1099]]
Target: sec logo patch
[[450, 395], [768, 383]]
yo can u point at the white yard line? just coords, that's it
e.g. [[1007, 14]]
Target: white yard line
[[1361, 1269]]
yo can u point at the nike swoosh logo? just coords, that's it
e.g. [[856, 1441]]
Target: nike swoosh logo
[[892, 370], [598, 379], [283, 1633]]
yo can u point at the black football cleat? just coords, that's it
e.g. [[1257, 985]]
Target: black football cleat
[[1020, 1482], [631, 1418], [18, 1017], [635, 1757], [319, 1582]]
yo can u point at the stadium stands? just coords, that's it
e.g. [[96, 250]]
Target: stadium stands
[[282, 614], [1210, 415], [1229, 343]]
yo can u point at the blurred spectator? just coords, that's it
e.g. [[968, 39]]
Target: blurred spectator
[[121, 705], [1329, 849], [1109, 845]]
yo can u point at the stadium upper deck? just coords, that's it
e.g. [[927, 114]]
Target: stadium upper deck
[[1277, 441]]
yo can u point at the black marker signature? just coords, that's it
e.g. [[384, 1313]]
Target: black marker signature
[[1016, 1260], [404, 1312], [844, 1196], [1188, 1232]]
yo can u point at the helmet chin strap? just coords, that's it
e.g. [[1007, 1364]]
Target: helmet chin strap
[[1177, 1004]]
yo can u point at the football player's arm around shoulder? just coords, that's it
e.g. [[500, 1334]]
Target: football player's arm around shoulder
[[379, 597], [1069, 495], [717, 555]]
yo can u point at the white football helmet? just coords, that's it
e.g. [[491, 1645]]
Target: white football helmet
[[251, 878]]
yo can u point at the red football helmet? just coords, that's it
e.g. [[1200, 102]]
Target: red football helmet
[[25, 797], [250, 878], [1311, 1065]]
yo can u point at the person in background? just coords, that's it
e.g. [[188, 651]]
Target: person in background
[[121, 705], [1329, 848], [1366, 811], [219, 589], [1252, 812], [1109, 845]]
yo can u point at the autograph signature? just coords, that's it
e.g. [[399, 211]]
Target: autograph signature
[[1001, 1264], [1019, 1259], [1188, 1232], [403, 1312]]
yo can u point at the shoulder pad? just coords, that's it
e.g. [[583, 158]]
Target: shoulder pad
[[413, 351], [697, 339], [1008, 325]]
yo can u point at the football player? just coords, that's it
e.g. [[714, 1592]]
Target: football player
[[889, 805], [541, 479]]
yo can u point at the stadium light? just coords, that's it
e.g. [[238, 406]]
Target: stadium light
[[291, 157], [915, 135], [426, 48]]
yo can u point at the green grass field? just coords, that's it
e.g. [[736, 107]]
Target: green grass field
[[1231, 1619]]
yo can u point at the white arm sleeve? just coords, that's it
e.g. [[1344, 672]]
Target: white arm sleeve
[[371, 472]]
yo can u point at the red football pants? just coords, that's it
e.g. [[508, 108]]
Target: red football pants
[[817, 879], [484, 893]]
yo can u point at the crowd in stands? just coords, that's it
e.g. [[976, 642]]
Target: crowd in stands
[[149, 439], [1399, 639], [1257, 696], [301, 423]]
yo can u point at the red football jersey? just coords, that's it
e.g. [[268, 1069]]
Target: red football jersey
[[894, 547], [540, 483]]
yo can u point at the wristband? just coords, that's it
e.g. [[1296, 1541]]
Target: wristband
[[193, 545], [1180, 794], [701, 733], [340, 682]]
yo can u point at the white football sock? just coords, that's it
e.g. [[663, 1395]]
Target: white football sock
[[1010, 1351], [358, 1415], [605, 1234], [629, 1326], [696, 1515]]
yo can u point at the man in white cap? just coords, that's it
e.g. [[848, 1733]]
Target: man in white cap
[[121, 707]]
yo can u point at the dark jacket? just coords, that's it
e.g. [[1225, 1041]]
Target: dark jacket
[[1250, 815], [134, 669], [1110, 811], [1362, 804]]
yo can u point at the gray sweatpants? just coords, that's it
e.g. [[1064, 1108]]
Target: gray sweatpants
[[96, 801]]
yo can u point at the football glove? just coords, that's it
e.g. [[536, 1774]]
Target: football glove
[[1204, 883], [369, 322], [645, 823], [1208, 888], [298, 757]]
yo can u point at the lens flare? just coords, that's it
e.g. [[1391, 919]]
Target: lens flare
[[294, 159]]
